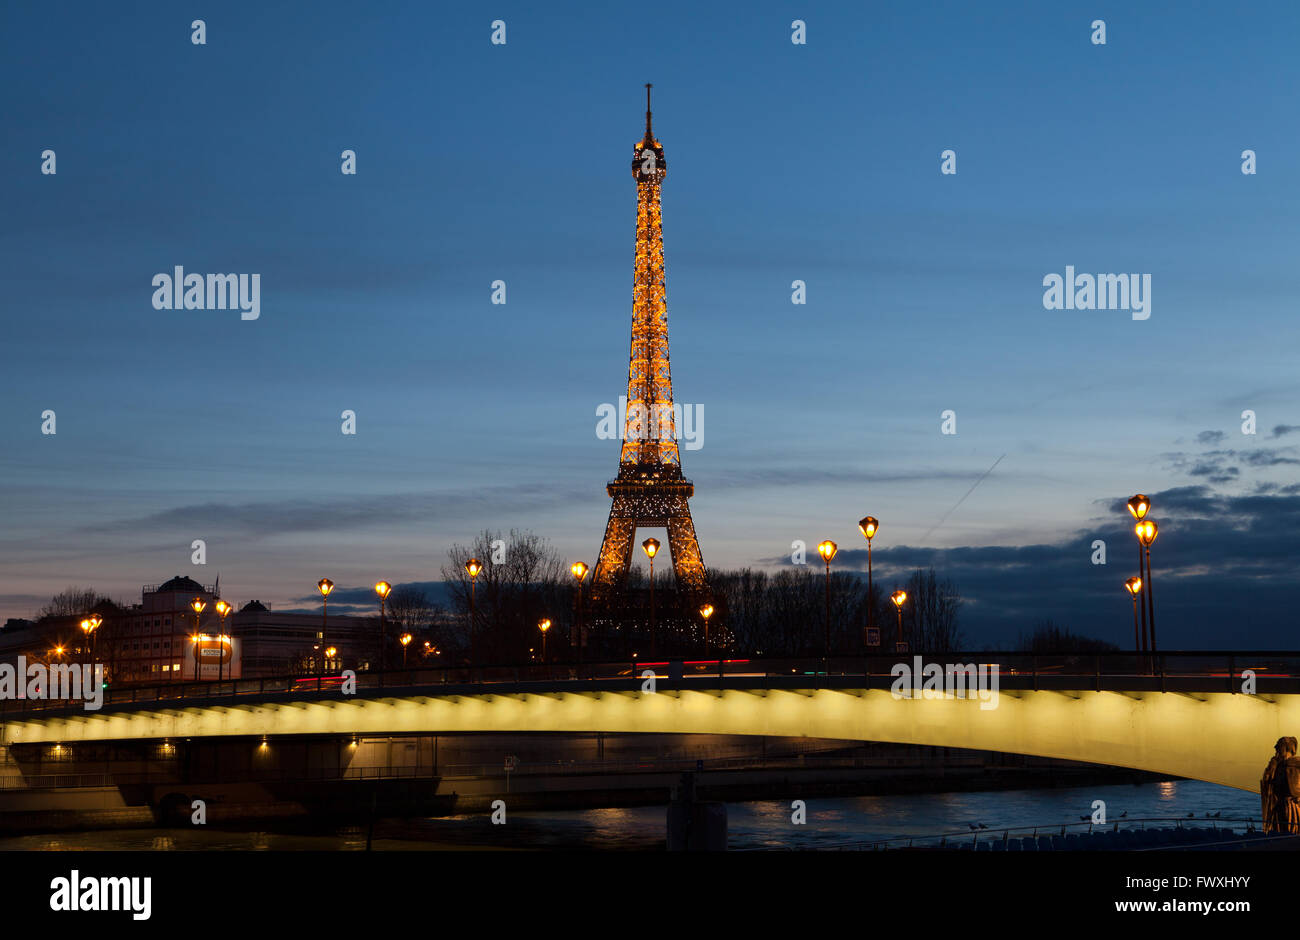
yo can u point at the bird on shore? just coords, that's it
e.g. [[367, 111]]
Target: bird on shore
[[973, 827], [1123, 814], [982, 826], [1191, 815]]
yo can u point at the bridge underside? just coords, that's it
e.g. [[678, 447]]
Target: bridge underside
[[1213, 736]]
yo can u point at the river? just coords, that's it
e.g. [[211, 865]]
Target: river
[[831, 822]]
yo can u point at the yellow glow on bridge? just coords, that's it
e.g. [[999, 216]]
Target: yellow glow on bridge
[[1214, 736]]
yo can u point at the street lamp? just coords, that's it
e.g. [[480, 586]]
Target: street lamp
[[223, 609], [706, 612], [88, 627], [1134, 586], [827, 550], [1138, 507], [579, 571], [472, 568], [543, 625], [898, 597], [198, 604], [324, 585], [1147, 530], [382, 589], [868, 527], [651, 547], [405, 640]]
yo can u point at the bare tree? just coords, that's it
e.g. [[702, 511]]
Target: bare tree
[[409, 608], [932, 607], [71, 601], [523, 580]]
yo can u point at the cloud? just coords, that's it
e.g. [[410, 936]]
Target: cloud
[[1224, 466], [802, 476], [268, 519], [363, 601], [1210, 437], [1214, 551]]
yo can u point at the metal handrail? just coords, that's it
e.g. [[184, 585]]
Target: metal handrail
[[875, 669]]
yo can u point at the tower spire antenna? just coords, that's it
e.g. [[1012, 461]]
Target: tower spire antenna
[[649, 136]]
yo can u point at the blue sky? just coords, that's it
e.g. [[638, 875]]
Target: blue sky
[[817, 162]]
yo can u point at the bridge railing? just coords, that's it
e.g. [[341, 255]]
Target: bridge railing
[[1209, 671]]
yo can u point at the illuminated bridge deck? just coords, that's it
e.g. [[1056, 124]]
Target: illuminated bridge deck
[[1184, 714]]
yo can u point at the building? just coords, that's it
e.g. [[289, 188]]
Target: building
[[279, 644], [147, 643]]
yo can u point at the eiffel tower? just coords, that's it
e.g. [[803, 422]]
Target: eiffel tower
[[649, 490]]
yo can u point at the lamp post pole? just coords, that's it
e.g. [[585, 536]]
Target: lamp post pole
[[1134, 586], [706, 611], [1138, 506], [472, 567], [827, 550], [544, 625], [868, 527], [382, 589], [579, 571], [1149, 532], [899, 597], [324, 585], [222, 608], [651, 547], [198, 604]]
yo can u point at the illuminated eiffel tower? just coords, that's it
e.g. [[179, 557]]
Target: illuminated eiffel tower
[[649, 490]]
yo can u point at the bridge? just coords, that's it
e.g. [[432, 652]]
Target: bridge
[[1181, 713]]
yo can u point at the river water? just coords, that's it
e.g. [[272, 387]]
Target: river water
[[830, 823]]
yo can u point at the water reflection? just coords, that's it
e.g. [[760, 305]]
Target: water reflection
[[831, 821]]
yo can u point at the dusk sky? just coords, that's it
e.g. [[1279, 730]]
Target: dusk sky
[[817, 162]]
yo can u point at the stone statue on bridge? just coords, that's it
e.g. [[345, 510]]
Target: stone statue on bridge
[[1279, 789]]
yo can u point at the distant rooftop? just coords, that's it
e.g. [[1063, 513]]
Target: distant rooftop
[[179, 585]]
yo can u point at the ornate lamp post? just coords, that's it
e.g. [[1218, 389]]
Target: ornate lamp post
[[197, 604], [651, 547], [382, 589], [899, 597], [1134, 586], [1138, 507], [706, 611], [224, 610], [827, 550], [579, 571], [88, 627], [1147, 530], [544, 624], [405, 640], [324, 585], [868, 527], [472, 568]]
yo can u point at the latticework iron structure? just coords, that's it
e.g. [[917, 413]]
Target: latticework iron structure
[[650, 489]]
